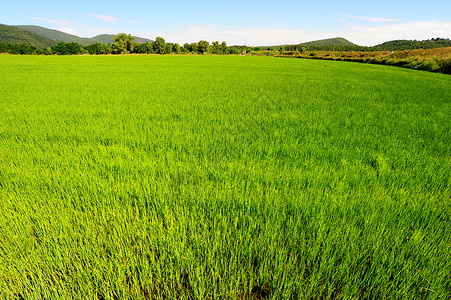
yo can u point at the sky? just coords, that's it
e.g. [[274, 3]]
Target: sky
[[248, 22]]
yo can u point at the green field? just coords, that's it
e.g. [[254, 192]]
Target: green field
[[222, 177]]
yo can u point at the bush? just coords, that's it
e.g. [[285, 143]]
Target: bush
[[445, 66]]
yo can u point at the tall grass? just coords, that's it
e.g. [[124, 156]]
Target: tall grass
[[432, 60], [181, 177]]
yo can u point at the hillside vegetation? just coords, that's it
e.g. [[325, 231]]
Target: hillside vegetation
[[412, 45], [222, 177], [13, 35], [342, 45], [434, 60], [69, 38], [329, 42], [319, 43]]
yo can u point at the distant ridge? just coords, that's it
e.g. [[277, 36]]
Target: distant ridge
[[60, 36], [14, 35], [338, 41], [408, 44]]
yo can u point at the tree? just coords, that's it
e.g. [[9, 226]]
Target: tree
[[223, 47], [63, 48], [124, 43], [215, 48], [168, 48], [176, 48], [282, 50], [194, 47], [186, 47], [160, 45], [203, 46], [105, 49]]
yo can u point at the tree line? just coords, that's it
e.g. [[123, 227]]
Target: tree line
[[124, 44], [387, 46]]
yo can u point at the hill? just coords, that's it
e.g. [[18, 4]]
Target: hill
[[409, 44], [329, 42], [14, 35], [333, 42], [68, 38]]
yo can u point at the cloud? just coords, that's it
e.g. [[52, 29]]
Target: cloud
[[371, 19], [368, 35], [242, 36], [103, 18], [419, 30], [68, 30], [91, 32], [131, 22], [58, 22]]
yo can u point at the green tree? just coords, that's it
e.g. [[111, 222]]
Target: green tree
[[168, 48], [160, 45], [124, 43], [282, 50], [194, 47], [63, 48], [176, 48], [105, 49], [223, 47], [203, 46], [186, 47], [215, 48]]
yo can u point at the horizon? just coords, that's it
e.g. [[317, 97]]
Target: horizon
[[248, 23]]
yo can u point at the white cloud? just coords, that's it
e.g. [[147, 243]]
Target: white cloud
[[74, 28], [58, 22], [103, 18], [93, 32], [421, 30], [68, 30], [371, 19], [362, 35], [243, 36]]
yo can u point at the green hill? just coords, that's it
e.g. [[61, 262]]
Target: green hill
[[68, 38], [333, 42], [329, 42], [409, 45], [14, 35]]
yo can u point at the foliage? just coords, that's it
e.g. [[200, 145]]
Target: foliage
[[18, 49], [346, 46], [13, 35], [99, 49], [124, 44], [160, 45], [203, 46], [63, 48], [222, 177], [60, 36], [433, 60], [411, 45]]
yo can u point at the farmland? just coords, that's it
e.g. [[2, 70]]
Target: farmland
[[223, 177]]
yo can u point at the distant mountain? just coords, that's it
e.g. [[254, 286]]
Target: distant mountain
[[334, 42], [14, 35], [60, 36], [329, 42], [409, 45]]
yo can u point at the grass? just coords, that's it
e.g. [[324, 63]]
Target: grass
[[433, 60], [218, 177]]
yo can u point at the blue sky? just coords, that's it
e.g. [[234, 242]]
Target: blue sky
[[240, 22]]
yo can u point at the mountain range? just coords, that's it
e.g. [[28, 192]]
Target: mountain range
[[42, 37]]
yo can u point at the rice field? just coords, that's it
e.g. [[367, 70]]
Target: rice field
[[222, 177]]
